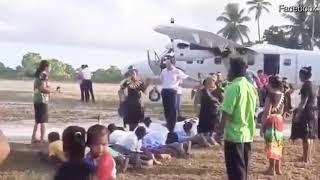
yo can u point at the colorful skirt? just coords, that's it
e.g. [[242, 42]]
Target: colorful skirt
[[274, 136]]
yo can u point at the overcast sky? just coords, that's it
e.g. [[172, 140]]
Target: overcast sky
[[104, 32]]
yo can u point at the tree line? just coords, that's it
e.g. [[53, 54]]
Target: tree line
[[303, 32], [59, 71]]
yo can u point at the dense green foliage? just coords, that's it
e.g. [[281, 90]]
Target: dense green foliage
[[59, 70], [302, 29], [112, 75]]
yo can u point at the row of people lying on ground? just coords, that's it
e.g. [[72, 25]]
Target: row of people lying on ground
[[146, 146]]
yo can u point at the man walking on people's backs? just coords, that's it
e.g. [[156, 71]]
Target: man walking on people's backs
[[238, 123], [170, 79]]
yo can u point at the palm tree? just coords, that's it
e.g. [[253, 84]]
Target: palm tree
[[300, 27], [234, 19], [313, 17], [259, 6]]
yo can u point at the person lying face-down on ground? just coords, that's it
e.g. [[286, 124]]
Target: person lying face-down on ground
[[55, 153], [129, 144], [155, 142]]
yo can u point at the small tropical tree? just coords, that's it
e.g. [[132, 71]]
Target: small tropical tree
[[259, 6], [234, 18]]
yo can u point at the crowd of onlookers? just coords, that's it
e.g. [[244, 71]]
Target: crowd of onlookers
[[225, 111]]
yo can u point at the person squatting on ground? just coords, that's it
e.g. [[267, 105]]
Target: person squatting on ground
[[305, 116], [238, 121], [133, 108], [211, 97], [74, 145], [41, 93], [272, 125]]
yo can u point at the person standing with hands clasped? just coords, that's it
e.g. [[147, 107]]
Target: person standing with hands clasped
[[238, 121]]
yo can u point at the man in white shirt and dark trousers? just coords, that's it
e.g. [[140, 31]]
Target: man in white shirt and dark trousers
[[170, 78], [87, 83]]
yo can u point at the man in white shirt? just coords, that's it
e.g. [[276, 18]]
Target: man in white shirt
[[170, 79], [155, 142], [87, 83], [130, 145]]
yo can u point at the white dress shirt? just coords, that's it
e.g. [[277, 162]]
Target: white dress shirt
[[130, 142], [154, 138], [170, 79], [86, 74], [116, 135]]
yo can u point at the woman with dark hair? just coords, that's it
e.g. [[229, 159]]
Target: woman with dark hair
[[134, 110], [41, 95], [272, 124], [211, 97], [74, 145], [305, 120]]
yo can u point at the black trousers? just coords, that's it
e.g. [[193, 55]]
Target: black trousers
[[237, 157], [82, 89], [88, 90], [169, 106]]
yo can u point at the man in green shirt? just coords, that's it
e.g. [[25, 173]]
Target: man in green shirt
[[238, 121]]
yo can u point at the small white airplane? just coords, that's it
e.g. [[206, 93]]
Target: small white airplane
[[199, 53]]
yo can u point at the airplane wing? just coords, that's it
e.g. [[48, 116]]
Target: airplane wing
[[203, 39], [200, 37]]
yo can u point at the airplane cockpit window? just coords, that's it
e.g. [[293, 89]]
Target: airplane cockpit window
[[200, 61], [218, 60], [189, 62], [251, 61], [182, 45], [287, 62]]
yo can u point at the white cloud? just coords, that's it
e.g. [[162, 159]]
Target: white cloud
[[120, 25], [105, 24]]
